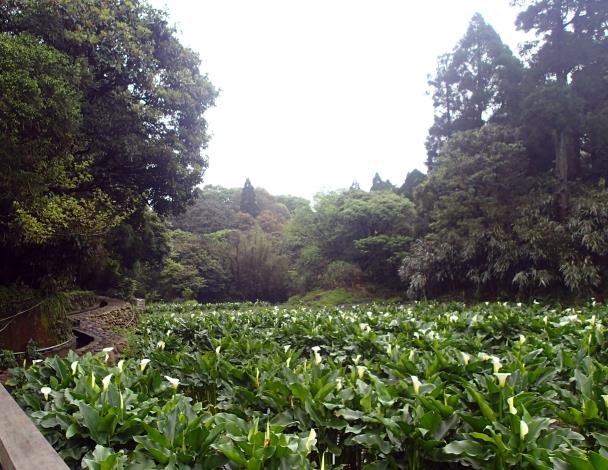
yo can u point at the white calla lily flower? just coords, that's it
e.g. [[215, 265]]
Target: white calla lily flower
[[465, 358], [46, 391], [107, 350], [311, 437], [74, 367], [174, 382], [502, 378], [106, 382], [120, 364], [496, 364], [416, 383], [318, 358], [512, 408], [523, 429], [483, 356], [143, 363]]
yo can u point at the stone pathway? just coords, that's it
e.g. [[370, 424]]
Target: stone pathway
[[102, 324]]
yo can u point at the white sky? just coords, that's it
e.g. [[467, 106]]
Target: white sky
[[318, 93]]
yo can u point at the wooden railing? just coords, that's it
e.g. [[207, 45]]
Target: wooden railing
[[22, 447]]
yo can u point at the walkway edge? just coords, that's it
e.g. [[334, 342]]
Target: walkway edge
[[22, 446]]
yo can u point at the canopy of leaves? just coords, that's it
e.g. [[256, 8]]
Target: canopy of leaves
[[101, 114], [477, 82], [369, 229]]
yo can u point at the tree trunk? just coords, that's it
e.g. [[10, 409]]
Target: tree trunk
[[567, 167]]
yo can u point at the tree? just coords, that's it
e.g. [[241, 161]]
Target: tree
[[249, 204], [573, 38], [216, 208], [475, 193], [412, 180], [259, 271], [143, 97], [40, 115], [379, 185], [293, 203], [45, 216], [198, 267], [369, 229], [475, 83], [102, 116], [127, 260]]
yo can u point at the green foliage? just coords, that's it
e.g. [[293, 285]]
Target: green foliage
[[249, 204], [412, 180], [214, 209], [112, 417], [331, 298], [492, 229], [143, 95], [101, 132], [102, 116], [369, 229], [258, 269], [564, 100], [293, 203], [197, 268], [341, 274], [128, 260], [420, 386], [31, 350], [502, 211], [379, 185], [42, 172], [7, 359], [477, 82], [78, 300]]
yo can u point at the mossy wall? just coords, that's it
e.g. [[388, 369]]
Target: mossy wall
[[77, 300], [47, 324]]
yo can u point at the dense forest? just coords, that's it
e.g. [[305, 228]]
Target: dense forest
[[101, 141]]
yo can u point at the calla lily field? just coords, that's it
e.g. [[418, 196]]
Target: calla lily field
[[379, 386]]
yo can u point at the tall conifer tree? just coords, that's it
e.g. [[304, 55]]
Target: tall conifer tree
[[249, 204], [477, 82]]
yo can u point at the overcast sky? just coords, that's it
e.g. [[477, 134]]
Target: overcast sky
[[317, 94]]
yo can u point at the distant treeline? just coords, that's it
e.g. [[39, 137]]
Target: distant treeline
[[101, 130]]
